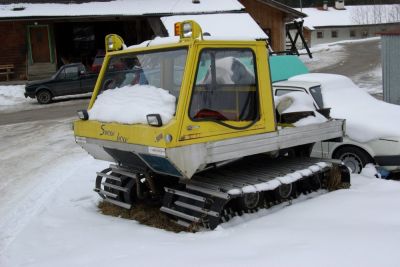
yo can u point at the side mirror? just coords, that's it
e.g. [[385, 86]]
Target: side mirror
[[83, 114], [154, 120]]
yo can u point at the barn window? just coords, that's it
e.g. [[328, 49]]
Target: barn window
[[320, 35], [334, 34], [352, 33]]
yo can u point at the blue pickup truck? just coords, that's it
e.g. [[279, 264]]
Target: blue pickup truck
[[70, 79]]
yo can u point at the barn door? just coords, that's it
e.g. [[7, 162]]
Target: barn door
[[39, 38]]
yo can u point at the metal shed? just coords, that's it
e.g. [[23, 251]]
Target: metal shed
[[391, 66]]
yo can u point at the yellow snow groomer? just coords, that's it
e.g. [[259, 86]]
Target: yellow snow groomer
[[221, 151]]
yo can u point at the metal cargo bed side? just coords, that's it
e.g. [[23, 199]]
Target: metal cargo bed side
[[212, 152]]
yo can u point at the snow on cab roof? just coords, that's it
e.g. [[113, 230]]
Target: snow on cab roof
[[236, 26], [352, 15], [117, 8]]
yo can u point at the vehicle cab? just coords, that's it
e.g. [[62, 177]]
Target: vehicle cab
[[216, 85]]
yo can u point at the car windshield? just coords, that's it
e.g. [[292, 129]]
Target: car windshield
[[161, 69]]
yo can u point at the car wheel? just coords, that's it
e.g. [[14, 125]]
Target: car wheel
[[43, 97], [353, 157]]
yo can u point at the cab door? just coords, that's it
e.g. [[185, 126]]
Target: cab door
[[226, 98]]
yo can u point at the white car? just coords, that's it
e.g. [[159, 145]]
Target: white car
[[372, 126]]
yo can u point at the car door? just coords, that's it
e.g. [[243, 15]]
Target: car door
[[67, 81], [225, 95], [88, 80]]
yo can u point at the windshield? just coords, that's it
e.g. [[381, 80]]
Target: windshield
[[161, 69]]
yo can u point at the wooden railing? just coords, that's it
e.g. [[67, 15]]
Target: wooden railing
[[7, 70]]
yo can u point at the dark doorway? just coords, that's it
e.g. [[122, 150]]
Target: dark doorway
[[39, 38], [82, 41]]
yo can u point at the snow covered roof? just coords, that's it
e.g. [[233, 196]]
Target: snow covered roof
[[229, 26], [117, 8], [352, 15]]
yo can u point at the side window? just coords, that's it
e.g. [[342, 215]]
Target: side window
[[317, 95], [280, 92], [225, 86], [61, 75], [71, 73]]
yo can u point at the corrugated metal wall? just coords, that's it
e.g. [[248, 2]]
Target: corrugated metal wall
[[391, 68]]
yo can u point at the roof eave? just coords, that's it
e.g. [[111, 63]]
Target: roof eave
[[284, 8], [64, 17]]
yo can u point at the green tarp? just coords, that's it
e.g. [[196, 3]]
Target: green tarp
[[284, 67]]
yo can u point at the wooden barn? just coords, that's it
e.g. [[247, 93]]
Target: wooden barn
[[43, 35]]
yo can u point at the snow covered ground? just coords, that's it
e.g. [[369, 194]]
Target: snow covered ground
[[325, 55], [12, 99], [49, 217]]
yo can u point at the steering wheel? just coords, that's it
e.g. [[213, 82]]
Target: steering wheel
[[209, 114]]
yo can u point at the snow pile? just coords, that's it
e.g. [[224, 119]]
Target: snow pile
[[370, 81], [298, 102], [130, 104], [230, 70], [286, 179], [366, 117], [157, 41], [11, 95], [370, 171]]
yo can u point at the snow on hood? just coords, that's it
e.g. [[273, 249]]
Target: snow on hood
[[298, 102], [367, 118], [130, 104]]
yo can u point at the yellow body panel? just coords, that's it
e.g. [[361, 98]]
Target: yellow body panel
[[183, 130]]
